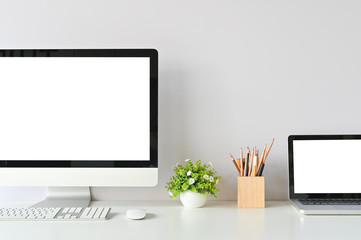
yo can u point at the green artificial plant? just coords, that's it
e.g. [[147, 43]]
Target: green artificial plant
[[196, 177]]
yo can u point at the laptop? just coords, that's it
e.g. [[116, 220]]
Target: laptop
[[325, 173]]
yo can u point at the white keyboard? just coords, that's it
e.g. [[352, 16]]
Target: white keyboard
[[55, 214]]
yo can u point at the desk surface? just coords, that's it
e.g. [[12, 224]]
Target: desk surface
[[219, 220]]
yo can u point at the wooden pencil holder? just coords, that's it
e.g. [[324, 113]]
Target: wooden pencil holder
[[250, 192]]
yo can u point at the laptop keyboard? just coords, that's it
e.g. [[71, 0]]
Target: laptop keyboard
[[330, 201]]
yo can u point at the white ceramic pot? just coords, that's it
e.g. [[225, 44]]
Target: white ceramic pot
[[192, 199]]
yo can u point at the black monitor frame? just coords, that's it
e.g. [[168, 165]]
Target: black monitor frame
[[292, 194], [151, 53]]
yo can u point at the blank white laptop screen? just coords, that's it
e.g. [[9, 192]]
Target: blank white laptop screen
[[74, 108], [327, 166]]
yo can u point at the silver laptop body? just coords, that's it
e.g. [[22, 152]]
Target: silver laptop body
[[324, 173]]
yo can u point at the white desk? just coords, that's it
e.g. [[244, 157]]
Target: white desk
[[220, 220]]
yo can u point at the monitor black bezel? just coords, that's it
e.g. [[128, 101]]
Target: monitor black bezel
[[151, 53], [292, 194]]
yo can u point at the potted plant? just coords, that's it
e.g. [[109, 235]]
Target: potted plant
[[193, 182]]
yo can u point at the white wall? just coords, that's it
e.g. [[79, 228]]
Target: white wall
[[232, 73]]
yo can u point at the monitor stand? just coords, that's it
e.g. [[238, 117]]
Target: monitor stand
[[66, 197]]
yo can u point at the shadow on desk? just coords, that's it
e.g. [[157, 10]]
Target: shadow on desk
[[233, 204]]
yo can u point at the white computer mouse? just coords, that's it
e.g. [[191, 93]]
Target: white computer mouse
[[136, 214]]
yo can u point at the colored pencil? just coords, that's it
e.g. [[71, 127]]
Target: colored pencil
[[235, 164], [262, 157], [247, 160], [264, 160], [241, 156]]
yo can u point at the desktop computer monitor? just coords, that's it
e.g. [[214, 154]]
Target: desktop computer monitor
[[71, 119]]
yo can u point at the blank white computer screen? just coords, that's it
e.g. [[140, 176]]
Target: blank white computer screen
[[74, 108], [327, 166]]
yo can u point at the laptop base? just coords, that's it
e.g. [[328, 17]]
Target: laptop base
[[326, 209]]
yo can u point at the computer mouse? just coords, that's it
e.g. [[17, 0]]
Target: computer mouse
[[136, 214]]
